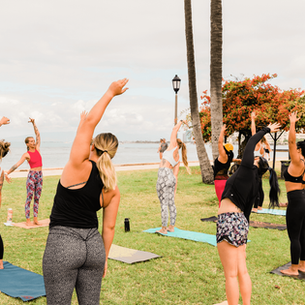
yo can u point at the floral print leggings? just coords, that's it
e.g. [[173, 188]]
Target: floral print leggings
[[33, 187]]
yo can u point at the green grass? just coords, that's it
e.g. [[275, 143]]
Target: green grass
[[187, 273]]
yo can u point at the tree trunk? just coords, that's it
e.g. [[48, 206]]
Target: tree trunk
[[216, 74], [205, 165]]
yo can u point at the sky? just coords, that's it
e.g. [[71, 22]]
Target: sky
[[57, 58]]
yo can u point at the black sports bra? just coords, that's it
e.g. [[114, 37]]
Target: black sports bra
[[293, 179]]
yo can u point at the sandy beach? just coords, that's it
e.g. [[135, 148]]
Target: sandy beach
[[121, 167]]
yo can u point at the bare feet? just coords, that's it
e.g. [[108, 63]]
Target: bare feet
[[260, 208], [254, 210], [292, 270], [36, 221], [1, 264], [162, 231], [170, 229], [284, 204], [28, 222], [301, 266]]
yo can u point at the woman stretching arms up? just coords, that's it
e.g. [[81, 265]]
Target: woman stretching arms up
[[233, 217], [76, 254], [295, 215], [168, 178]]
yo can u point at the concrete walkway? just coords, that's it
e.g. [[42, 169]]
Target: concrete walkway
[[121, 167]]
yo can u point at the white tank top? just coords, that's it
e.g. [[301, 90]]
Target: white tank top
[[169, 156]]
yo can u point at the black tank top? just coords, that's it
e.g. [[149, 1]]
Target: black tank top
[[222, 168], [77, 207]]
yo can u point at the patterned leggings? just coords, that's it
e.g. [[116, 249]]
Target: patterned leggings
[[166, 192], [33, 187], [73, 258]]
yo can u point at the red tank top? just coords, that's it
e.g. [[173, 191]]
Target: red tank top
[[35, 159]]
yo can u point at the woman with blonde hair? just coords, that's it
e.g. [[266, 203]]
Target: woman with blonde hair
[[168, 179], [76, 254]]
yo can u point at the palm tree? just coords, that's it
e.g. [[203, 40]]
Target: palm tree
[[205, 165], [216, 73]]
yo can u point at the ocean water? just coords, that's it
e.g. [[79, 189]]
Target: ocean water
[[56, 154]]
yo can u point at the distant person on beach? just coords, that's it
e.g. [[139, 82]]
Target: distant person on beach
[[34, 180], [168, 179], [233, 217], [76, 253], [295, 214], [162, 147], [4, 149], [222, 164]]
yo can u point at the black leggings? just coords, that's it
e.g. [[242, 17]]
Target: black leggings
[[73, 258], [1, 248], [259, 200], [295, 220]]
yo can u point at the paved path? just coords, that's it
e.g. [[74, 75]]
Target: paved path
[[122, 167]]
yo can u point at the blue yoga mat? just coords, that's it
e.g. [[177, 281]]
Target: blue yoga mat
[[20, 283], [195, 236], [272, 211]]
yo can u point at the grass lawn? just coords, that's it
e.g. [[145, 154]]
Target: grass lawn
[[187, 273]]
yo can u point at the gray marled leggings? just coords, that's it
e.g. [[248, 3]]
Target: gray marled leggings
[[73, 258], [166, 192]]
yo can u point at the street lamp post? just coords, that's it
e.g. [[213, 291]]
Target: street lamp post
[[176, 86]]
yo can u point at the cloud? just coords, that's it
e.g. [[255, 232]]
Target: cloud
[[59, 57]]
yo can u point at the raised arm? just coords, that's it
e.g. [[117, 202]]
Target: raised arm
[[37, 133], [80, 148], [223, 157], [253, 127], [248, 157], [294, 155], [173, 138]]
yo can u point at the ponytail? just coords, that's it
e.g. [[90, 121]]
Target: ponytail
[[106, 145], [275, 191], [184, 155]]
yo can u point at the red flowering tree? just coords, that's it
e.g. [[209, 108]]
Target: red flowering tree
[[240, 98]]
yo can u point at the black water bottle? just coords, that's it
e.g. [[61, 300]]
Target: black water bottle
[[127, 225]]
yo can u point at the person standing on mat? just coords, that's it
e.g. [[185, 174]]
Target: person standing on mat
[[222, 164], [76, 253], [233, 217], [295, 214], [34, 180], [4, 149], [168, 179]]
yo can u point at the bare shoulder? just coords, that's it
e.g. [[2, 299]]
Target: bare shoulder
[[26, 156], [75, 173]]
